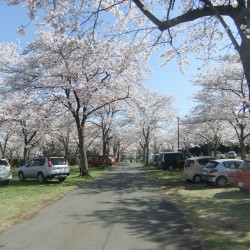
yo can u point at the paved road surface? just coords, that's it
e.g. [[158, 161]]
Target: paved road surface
[[122, 211]]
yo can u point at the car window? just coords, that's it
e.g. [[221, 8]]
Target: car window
[[160, 157], [237, 163], [212, 164], [38, 162], [58, 161], [187, 163], [171, 157], [229, 164], [3, 163], [203, 161], [245, 165], [31, 163]]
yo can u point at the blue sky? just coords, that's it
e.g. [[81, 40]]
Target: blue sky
[[166, 79]]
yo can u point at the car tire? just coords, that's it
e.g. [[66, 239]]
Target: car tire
[[21, 176], [197, 179], [221, 181], [41, 178], [61, 179]]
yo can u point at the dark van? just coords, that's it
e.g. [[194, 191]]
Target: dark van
[[171, 160]]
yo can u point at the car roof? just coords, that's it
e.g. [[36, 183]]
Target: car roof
[[172, 152], [223, 160], [200, 157]]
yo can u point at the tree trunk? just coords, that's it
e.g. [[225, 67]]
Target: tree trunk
[[147, 146], [82, 151], [245, 59], [242, 142], [25, 150]]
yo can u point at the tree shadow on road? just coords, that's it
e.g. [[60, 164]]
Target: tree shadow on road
[[141, 208]]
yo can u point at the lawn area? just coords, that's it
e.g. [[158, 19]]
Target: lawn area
[[19, 200], [219, 215]]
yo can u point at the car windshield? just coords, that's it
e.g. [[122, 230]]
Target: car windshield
[[212, 164]]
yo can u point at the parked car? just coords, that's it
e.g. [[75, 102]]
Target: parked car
[[242, 176], [231, 154], [219, 155], [45, 168], [5, 172], [220, 172], [171, 160], [97, 160], [193, 167]]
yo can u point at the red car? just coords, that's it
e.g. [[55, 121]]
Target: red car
[[97, 161], [242, 176]]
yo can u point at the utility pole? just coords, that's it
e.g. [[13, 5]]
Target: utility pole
[[178, 132]]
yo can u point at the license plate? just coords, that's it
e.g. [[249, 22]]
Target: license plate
[[240, 184]]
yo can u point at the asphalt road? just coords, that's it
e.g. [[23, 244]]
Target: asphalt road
[[123, 210]]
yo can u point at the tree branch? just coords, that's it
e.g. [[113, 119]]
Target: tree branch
[[191, 15]]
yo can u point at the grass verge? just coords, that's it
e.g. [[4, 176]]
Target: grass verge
[[19, 200], [219, 215]]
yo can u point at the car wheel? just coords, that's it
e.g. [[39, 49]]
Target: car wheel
[[197, 179], [41, 178], [170, 167], [61, 179], [221, 181], [21, 176]]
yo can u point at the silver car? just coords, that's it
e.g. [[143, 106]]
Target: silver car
[[5, 172], [231, 154], [220, 172], [45, 168]]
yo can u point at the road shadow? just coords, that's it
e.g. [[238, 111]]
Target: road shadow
[[141, 209]]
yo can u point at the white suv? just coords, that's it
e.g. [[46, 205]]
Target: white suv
[[193, 167], [220, 172], [5, 171], [44, 168]]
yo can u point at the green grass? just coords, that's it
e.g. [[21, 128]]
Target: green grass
[[219, 215], [19, 200]]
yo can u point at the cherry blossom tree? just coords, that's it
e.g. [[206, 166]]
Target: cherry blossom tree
[[104, 119], [8, 55], [78, 76], [186, 26], [22, 112], [223, 96], [207, 21], [149, 111], [207, 132]]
